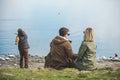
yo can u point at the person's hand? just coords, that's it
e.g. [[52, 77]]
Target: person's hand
[[16, 40], [16, 43], [75, 57]]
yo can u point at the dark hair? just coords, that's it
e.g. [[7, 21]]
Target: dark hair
[[63, 31], [19, 30]]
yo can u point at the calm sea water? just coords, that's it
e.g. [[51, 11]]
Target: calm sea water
[[39, 45], [7, 43]]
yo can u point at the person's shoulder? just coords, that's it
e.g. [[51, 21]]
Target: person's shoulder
[[84, 43], [88, 43]]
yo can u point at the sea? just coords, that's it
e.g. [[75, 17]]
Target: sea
[[40, 43]]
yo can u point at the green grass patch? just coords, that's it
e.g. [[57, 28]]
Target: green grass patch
[[51, 74]]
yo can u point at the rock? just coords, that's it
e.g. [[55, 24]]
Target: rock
[[11, 56], [2, 58]]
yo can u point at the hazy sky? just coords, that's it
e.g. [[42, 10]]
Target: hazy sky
[[43, 18]]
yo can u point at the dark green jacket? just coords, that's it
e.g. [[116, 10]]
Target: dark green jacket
[[86, 56]]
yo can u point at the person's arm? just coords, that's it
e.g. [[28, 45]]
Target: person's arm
[[17, 40], [82, 50], [24, 35], [68, 50]]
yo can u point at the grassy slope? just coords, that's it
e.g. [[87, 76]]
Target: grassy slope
[[66, 74]]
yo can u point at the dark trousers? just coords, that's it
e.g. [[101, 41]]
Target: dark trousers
[[23, 55]]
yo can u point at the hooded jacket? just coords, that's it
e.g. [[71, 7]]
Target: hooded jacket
[[86, 56], [23, 43], [60, 55]]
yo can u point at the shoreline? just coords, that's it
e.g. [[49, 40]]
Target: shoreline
[[37, 62], [12, 61]]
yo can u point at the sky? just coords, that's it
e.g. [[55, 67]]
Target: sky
[[41, 19]]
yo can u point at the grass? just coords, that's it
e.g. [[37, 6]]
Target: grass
[[66, 74]]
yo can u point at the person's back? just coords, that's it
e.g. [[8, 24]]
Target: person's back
[[23, 43], [23, 46], [61, 54], [87, 54]]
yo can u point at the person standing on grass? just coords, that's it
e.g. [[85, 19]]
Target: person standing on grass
[[61, 54], [23, 46], [87, 52]]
